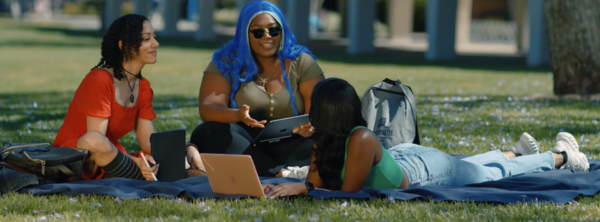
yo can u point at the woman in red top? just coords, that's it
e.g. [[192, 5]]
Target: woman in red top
[[112, 100]]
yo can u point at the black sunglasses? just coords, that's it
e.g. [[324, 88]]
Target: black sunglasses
[[259, 33]]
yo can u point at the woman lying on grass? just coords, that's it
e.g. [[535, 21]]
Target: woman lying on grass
[[347, 156], [113, 99]]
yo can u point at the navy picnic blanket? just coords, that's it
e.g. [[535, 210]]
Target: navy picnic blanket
[[559, 187]]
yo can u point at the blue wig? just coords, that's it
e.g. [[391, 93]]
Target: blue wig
[[236, 56]]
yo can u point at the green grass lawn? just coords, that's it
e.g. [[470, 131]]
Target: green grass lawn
[[463, 108]]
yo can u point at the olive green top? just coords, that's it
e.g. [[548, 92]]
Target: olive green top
[[269, 106]]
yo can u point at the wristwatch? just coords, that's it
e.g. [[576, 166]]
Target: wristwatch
[[309, 186]]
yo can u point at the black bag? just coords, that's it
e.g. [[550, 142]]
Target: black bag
[[389, 107], [51, 163]]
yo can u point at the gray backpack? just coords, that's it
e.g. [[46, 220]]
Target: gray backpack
[[390, 111]]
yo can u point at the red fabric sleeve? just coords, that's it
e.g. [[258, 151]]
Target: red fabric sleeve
[[146, 110], [95, 94]]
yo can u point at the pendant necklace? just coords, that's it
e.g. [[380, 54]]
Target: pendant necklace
[[263, 81], [131, 97]]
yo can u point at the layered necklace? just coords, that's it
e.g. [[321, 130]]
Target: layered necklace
[[131, 97], [264, 81]]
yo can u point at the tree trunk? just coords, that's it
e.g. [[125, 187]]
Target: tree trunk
[[573, 29]]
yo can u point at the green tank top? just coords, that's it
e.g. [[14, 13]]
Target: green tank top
[[387, 174]]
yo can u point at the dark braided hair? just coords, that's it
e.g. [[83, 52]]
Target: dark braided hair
[[127, 29]]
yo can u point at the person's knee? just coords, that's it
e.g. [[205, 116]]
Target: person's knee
[[206, 129], [95, 142]]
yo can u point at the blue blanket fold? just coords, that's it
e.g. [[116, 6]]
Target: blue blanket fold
[[559, 187]]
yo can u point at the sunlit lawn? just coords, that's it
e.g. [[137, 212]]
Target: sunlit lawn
[[464, 108]]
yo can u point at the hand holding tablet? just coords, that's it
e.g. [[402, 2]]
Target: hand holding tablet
[[306, 130], [282, 128]]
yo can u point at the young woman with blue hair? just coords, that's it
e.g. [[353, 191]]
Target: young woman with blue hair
[[261, 75]]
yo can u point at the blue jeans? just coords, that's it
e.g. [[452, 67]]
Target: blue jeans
[[429, 166]]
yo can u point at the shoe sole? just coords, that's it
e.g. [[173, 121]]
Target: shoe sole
[[586, 164]]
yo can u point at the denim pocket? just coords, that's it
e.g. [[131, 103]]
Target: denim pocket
[[412, 171], [437, 164]]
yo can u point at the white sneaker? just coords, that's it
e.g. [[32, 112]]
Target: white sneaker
[[575, 160], [567, 137], [296, 172], [527, 145]]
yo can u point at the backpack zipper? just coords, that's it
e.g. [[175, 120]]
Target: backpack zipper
[[42, 162], [24, 145]]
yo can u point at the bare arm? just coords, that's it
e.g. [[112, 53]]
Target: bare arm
[[363, 150], [306, 89], [96, 124], [214, 102], [143, 130], [288, 189]]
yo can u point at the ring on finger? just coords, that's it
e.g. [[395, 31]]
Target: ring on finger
[[311, 129]]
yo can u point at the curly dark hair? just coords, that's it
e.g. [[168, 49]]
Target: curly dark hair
[[127, 29], [335, 111]]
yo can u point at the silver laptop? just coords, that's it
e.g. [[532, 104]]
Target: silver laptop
[[232, 174], [280, 129]]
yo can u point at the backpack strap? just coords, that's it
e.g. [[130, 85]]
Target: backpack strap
[[392, 82], [411, 98], [65, 170]]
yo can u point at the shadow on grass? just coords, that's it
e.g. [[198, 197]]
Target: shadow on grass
[[37, 116], [323, 50], [19, 111]]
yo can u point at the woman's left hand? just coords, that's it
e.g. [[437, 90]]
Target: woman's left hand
[[286, 189], [193, 160], [305, 130]]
